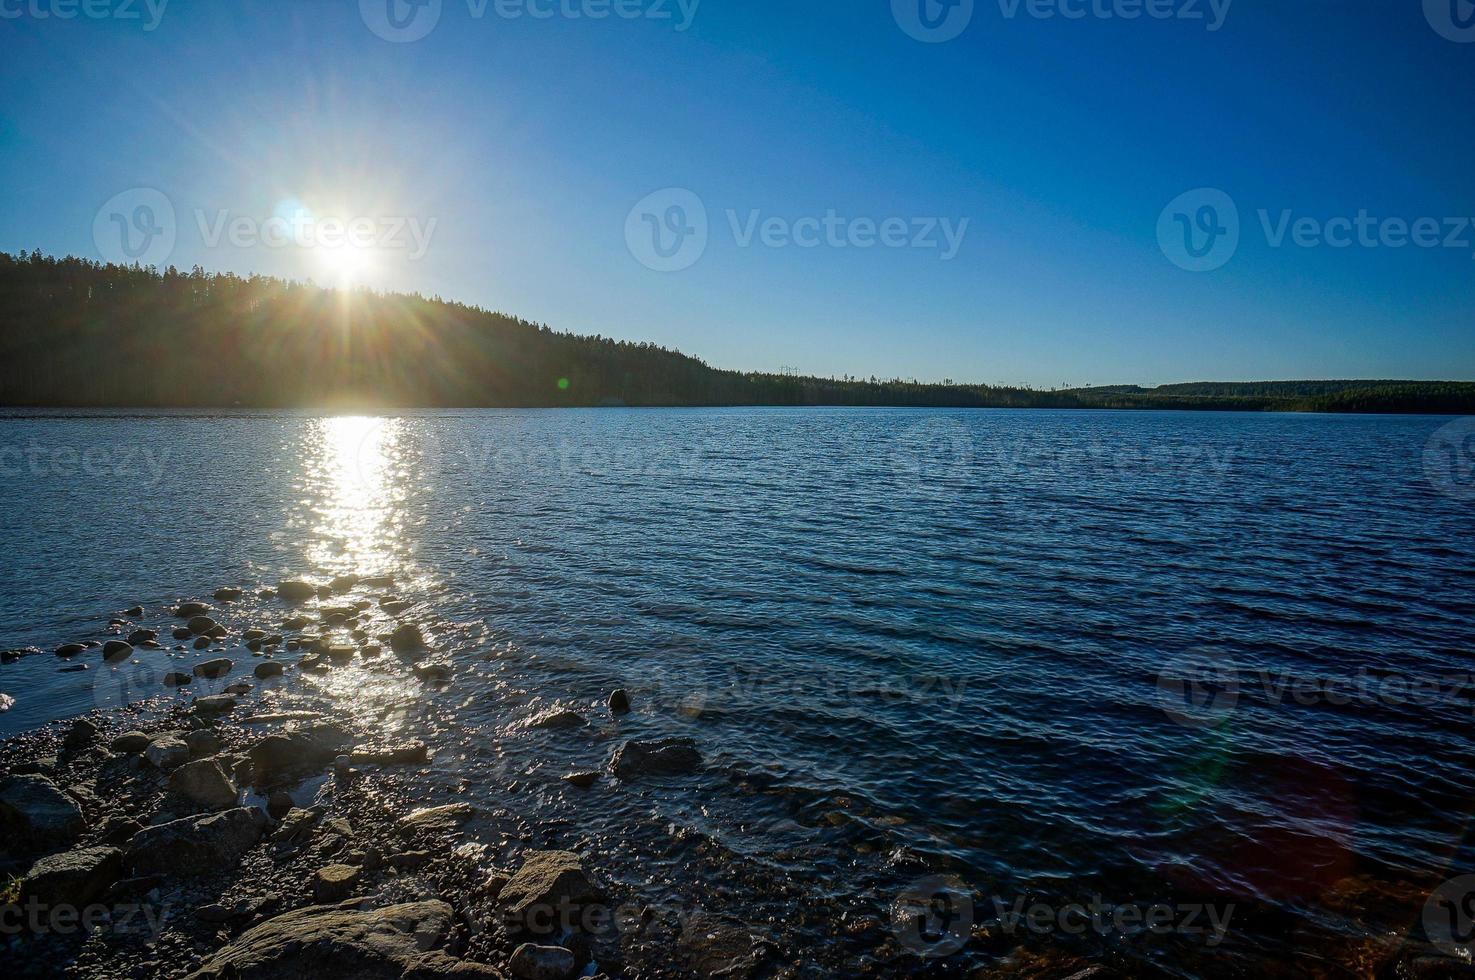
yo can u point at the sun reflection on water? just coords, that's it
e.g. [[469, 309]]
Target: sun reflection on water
[[359, 490]]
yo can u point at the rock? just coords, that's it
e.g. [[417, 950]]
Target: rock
[[81, 735], [75, 878], [395, 606], [205, 783], [299, 747], [619, 701], [201, 642], [407, 637], [176, 679], [296, 591], [717, 947], [142, 636], [16, 653], [556, 718], [532, 962], [434, 671], [227, 594], [37, 815], [268, 668], [410, 753], [115, 650], [188, 610], [117, 830], [435, 818], [548, 887], [663, 757], [131, 743], [201, 625], [69, 649], [167, 752], [335, 882], [279, 804], [74, 668], [345, 942], [212, 669], [295, 623], [342, 583], [297, 825], [133, 611], [341, 653], [370, 650], [239, 689], [409, 860], [202, 742], [583, 780], [181, 633], [6, 702], [195, 845], [214, 704]]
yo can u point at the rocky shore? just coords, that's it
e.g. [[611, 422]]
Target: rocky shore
[[251, 831]]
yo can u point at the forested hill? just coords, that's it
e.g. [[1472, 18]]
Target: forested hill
[[80, 333]]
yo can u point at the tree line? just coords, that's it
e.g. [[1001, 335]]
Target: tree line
[[74, 332]]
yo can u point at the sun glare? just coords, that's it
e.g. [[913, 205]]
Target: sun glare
[[345, 264]]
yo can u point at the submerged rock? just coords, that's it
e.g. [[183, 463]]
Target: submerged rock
[[345, 942], [186, 610], [37, 815], [74, 878], [213, 669], [556, 718], [195, 845], [227, 594], [202, 625], [667, 756], [407, 637], [296, 591], [268, 668], [177, 679], [533, 962]]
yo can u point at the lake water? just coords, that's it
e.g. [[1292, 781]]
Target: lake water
[[915, 646]]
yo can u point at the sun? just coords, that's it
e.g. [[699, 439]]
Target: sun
[[346, 264]]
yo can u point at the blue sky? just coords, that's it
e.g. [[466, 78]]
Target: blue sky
[[1060, 140]]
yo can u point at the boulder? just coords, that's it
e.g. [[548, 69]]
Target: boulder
[[663, 757], [345, 942], [133, 611], [268, 668], [437, 670], [212, 669], [556, 718], [188, 610], [142, 636], [81, 735], [435, 818], [214, 704], [335, 882], [202, 742], [341, 653], [69, 649], [115, 650], [299, 747], [201, 642], [548, 887], [395, 606], [296, 591], [583, 780], [131, 743], [407, 637], [410, 753], [167, 751], [533, 962], [177, 679], [227, 594], [181, 633], [619, 701], [205, 783], [76, 878], [201, 625], [37, 815], [195, 845]]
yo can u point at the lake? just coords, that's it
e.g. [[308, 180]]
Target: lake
[[1160, 659]]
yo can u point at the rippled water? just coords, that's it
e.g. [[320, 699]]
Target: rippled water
[[910, 643]]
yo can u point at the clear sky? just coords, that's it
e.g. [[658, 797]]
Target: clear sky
[[529, 141]]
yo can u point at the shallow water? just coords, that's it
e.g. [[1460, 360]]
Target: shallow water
[[910, 642]]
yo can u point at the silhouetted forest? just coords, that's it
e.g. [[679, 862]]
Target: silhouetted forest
[[80, 333]]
